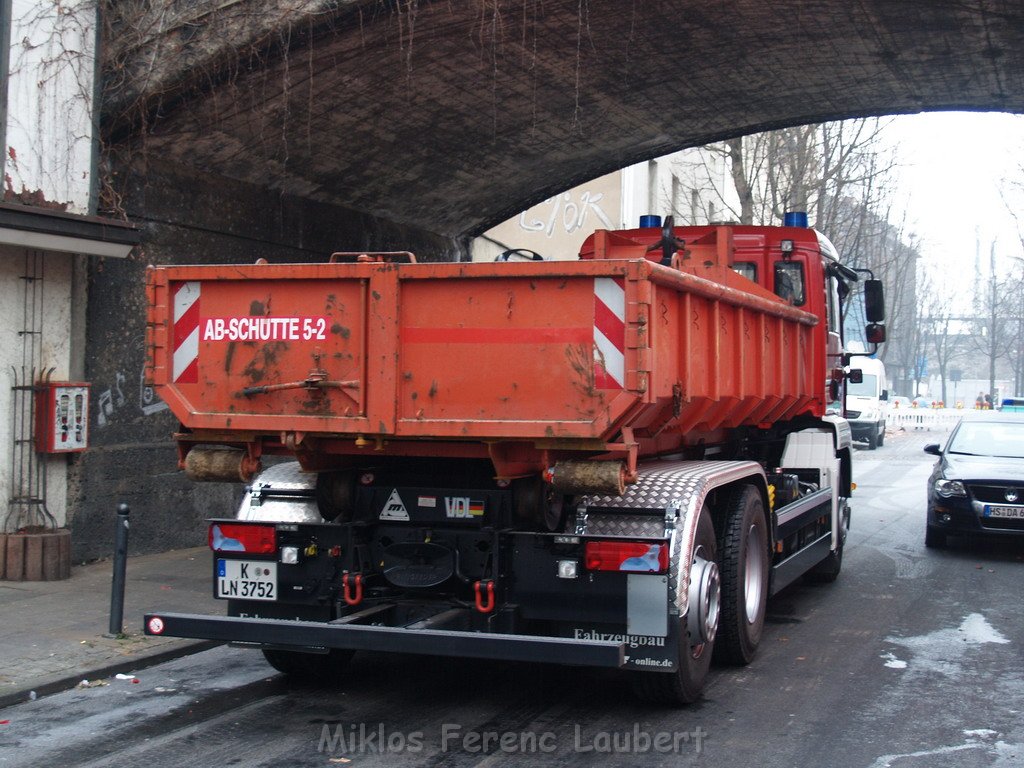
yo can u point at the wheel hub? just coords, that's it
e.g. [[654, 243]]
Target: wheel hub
[[704, 601]]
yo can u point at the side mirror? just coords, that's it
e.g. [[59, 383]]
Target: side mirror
[[874, 301], [855, 376], [933, 448], [885, 395]]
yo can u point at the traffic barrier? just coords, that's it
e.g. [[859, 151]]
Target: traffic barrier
[[922, 418]]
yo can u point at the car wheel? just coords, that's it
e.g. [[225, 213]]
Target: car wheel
[[872, 441], [934, 538]]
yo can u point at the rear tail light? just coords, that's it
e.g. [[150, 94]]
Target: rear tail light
[[239, 537], [627, 556]]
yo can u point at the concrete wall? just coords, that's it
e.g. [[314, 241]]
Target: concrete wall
[[185, 218]]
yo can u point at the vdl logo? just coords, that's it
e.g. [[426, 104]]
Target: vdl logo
[[462, 508]]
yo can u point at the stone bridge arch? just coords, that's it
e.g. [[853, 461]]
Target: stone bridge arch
[[449, 117]]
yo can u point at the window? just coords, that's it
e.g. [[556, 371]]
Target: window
[[832, 303], [988, 439], [868, 387], [746, 268], [789, 282]]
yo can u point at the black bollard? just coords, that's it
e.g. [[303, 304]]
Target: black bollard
[[120, 566]]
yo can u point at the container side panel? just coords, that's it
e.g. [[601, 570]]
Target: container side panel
[[495, 357], [245, 353]]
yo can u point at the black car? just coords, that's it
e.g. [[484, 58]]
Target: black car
[[977, 486]]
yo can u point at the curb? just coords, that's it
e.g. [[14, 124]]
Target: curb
[[50, 686]]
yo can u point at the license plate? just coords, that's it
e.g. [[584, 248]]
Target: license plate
[[1013, 513], [246, 579]]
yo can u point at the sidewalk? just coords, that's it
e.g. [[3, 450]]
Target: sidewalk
[[52, 632]]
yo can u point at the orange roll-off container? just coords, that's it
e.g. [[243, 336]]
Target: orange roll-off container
[[611, 355]]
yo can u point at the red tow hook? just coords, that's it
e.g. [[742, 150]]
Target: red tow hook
[[346, 586], [479, 587]]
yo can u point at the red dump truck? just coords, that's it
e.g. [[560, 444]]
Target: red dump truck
[[611, 461]]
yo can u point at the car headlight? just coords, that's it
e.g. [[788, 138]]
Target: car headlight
[[949, 488]]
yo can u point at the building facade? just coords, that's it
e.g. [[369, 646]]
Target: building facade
[[48, 232], [692, 186]]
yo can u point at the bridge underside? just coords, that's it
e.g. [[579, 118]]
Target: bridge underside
[[449, 117]]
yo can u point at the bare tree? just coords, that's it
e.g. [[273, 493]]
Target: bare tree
[[744, 185], [945, 338], [806, 168], [996, 309], [841, 174]]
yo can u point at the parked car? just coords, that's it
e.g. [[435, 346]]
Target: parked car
[[977, 485]]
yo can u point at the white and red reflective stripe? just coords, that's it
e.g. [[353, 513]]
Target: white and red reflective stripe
[[609, 333], [185, 367]]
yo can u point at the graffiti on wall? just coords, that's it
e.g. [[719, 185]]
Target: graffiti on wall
[[567, 212], [113, 399]]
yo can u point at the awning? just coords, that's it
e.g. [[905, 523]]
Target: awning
[[31, 227]]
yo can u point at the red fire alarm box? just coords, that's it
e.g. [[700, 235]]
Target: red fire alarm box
[[62, 416]]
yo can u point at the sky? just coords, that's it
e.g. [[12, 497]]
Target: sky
[[950, 168]]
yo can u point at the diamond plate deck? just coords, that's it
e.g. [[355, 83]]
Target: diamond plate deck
[[635, 526], [681, 486], [286, 476]]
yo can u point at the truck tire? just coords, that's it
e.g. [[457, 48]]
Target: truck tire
[[743, 560], [325, 668], [828, 569], [684, 686], [881, 435], [537, 507], [872, 440], [335, 495]]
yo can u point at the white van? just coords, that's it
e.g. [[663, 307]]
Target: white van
[[867, 401]]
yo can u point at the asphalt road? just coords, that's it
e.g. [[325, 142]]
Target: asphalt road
[[912, 659]]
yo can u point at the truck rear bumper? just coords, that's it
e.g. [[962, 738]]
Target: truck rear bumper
[[316, 635]]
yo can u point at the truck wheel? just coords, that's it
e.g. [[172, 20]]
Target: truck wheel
[[872, 440], [310, 667], [828, 569], [537, 506], [743, 548], [881, 436], [335, 495], [697, 629]]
